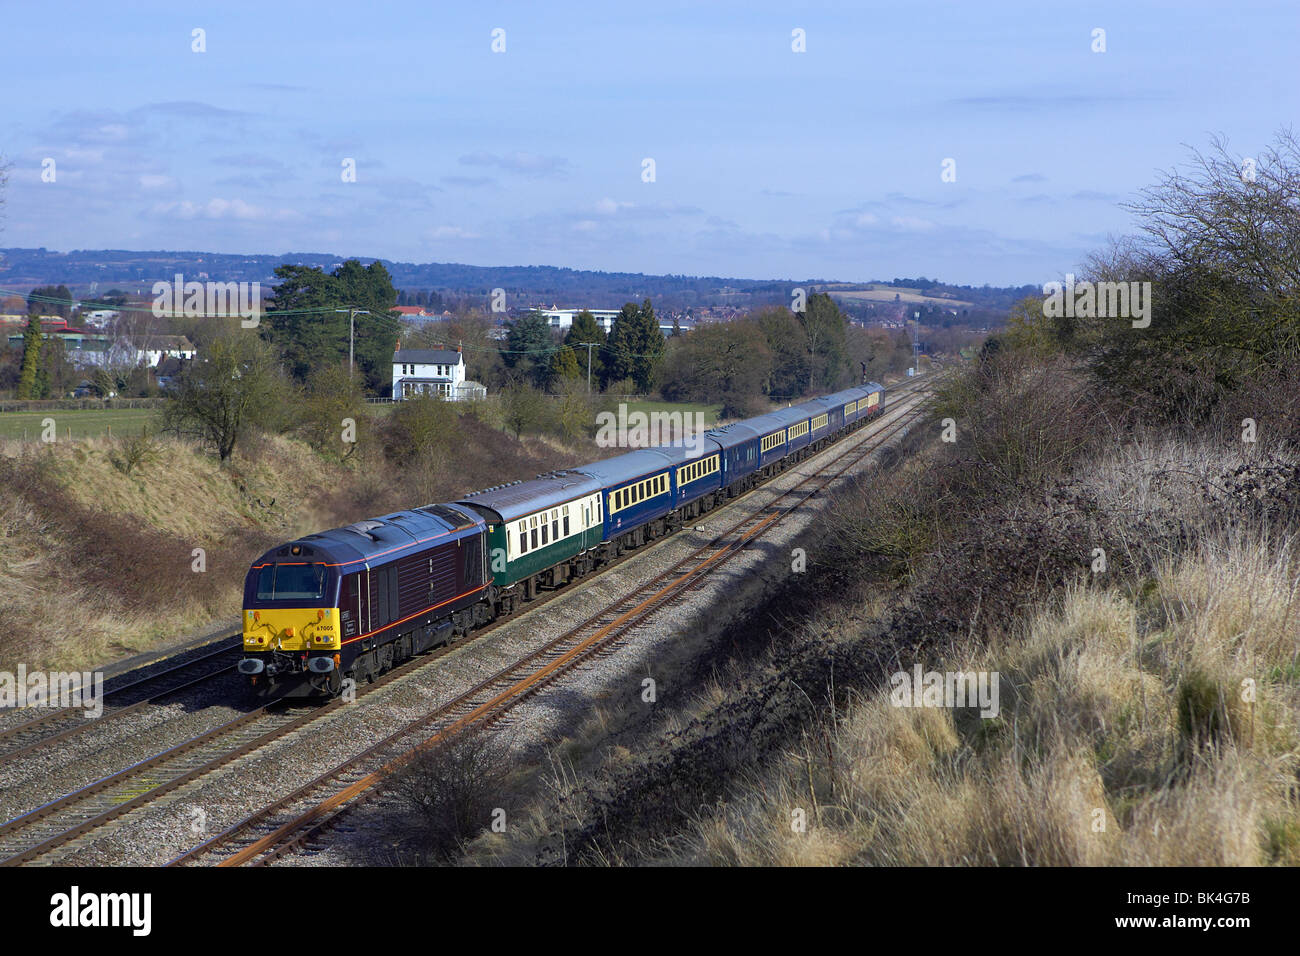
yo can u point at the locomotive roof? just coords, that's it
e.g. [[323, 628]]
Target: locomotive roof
[[632, 465], [524, 497], [379, 539]]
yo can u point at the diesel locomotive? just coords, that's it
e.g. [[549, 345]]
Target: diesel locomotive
[[354, 601]]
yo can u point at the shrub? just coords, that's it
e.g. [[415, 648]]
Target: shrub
[[450, 792]]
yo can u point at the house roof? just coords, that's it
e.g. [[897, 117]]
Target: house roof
[[165, 342], [427, 357]]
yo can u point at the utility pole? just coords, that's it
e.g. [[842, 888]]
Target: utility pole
[[352, 331], [916, 345], [589, 345]]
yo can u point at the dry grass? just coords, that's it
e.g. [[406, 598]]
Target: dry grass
[[1090, 762]]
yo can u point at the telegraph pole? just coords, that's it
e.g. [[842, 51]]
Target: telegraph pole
[[916, 345], [589, 345], [352, 331]]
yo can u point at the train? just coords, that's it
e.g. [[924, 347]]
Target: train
[[351, 603]]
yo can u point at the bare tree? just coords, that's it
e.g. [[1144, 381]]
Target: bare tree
[[1237, 215], [1225, 234]]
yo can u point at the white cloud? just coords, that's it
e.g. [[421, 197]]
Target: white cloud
[[217, 208], [450, 232]]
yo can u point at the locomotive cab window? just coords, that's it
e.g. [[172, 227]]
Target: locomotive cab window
[[291, 582]]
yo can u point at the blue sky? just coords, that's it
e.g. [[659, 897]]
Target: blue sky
[[768, 163]]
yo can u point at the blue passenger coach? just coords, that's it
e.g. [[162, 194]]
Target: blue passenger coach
[[637, 489]]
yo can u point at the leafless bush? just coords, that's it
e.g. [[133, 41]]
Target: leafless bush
[[451, 792], [135, 452], [1019, 420]]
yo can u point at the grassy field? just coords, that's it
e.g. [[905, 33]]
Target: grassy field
[[887, 293], [96, 423], [74, 424]]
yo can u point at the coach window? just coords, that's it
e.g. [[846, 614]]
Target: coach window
[[545, 537], [555, 526], [566, 521], [534, 538], [523, 540]]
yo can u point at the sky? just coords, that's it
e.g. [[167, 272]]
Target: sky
[[827, 163]]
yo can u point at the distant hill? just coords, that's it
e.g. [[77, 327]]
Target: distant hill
[[136, 271]]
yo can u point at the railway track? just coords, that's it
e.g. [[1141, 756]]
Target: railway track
[[59, 724], [49, 833], [297, 819]]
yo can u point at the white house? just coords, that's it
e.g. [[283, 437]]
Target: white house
[[149, 351], [156, 348], [563, 318], [99, 318], [433, 372]]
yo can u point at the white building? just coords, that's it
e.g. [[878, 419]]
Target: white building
[[100, 318], [150, 352], [563, 318], [433, 372], [154, 349]]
